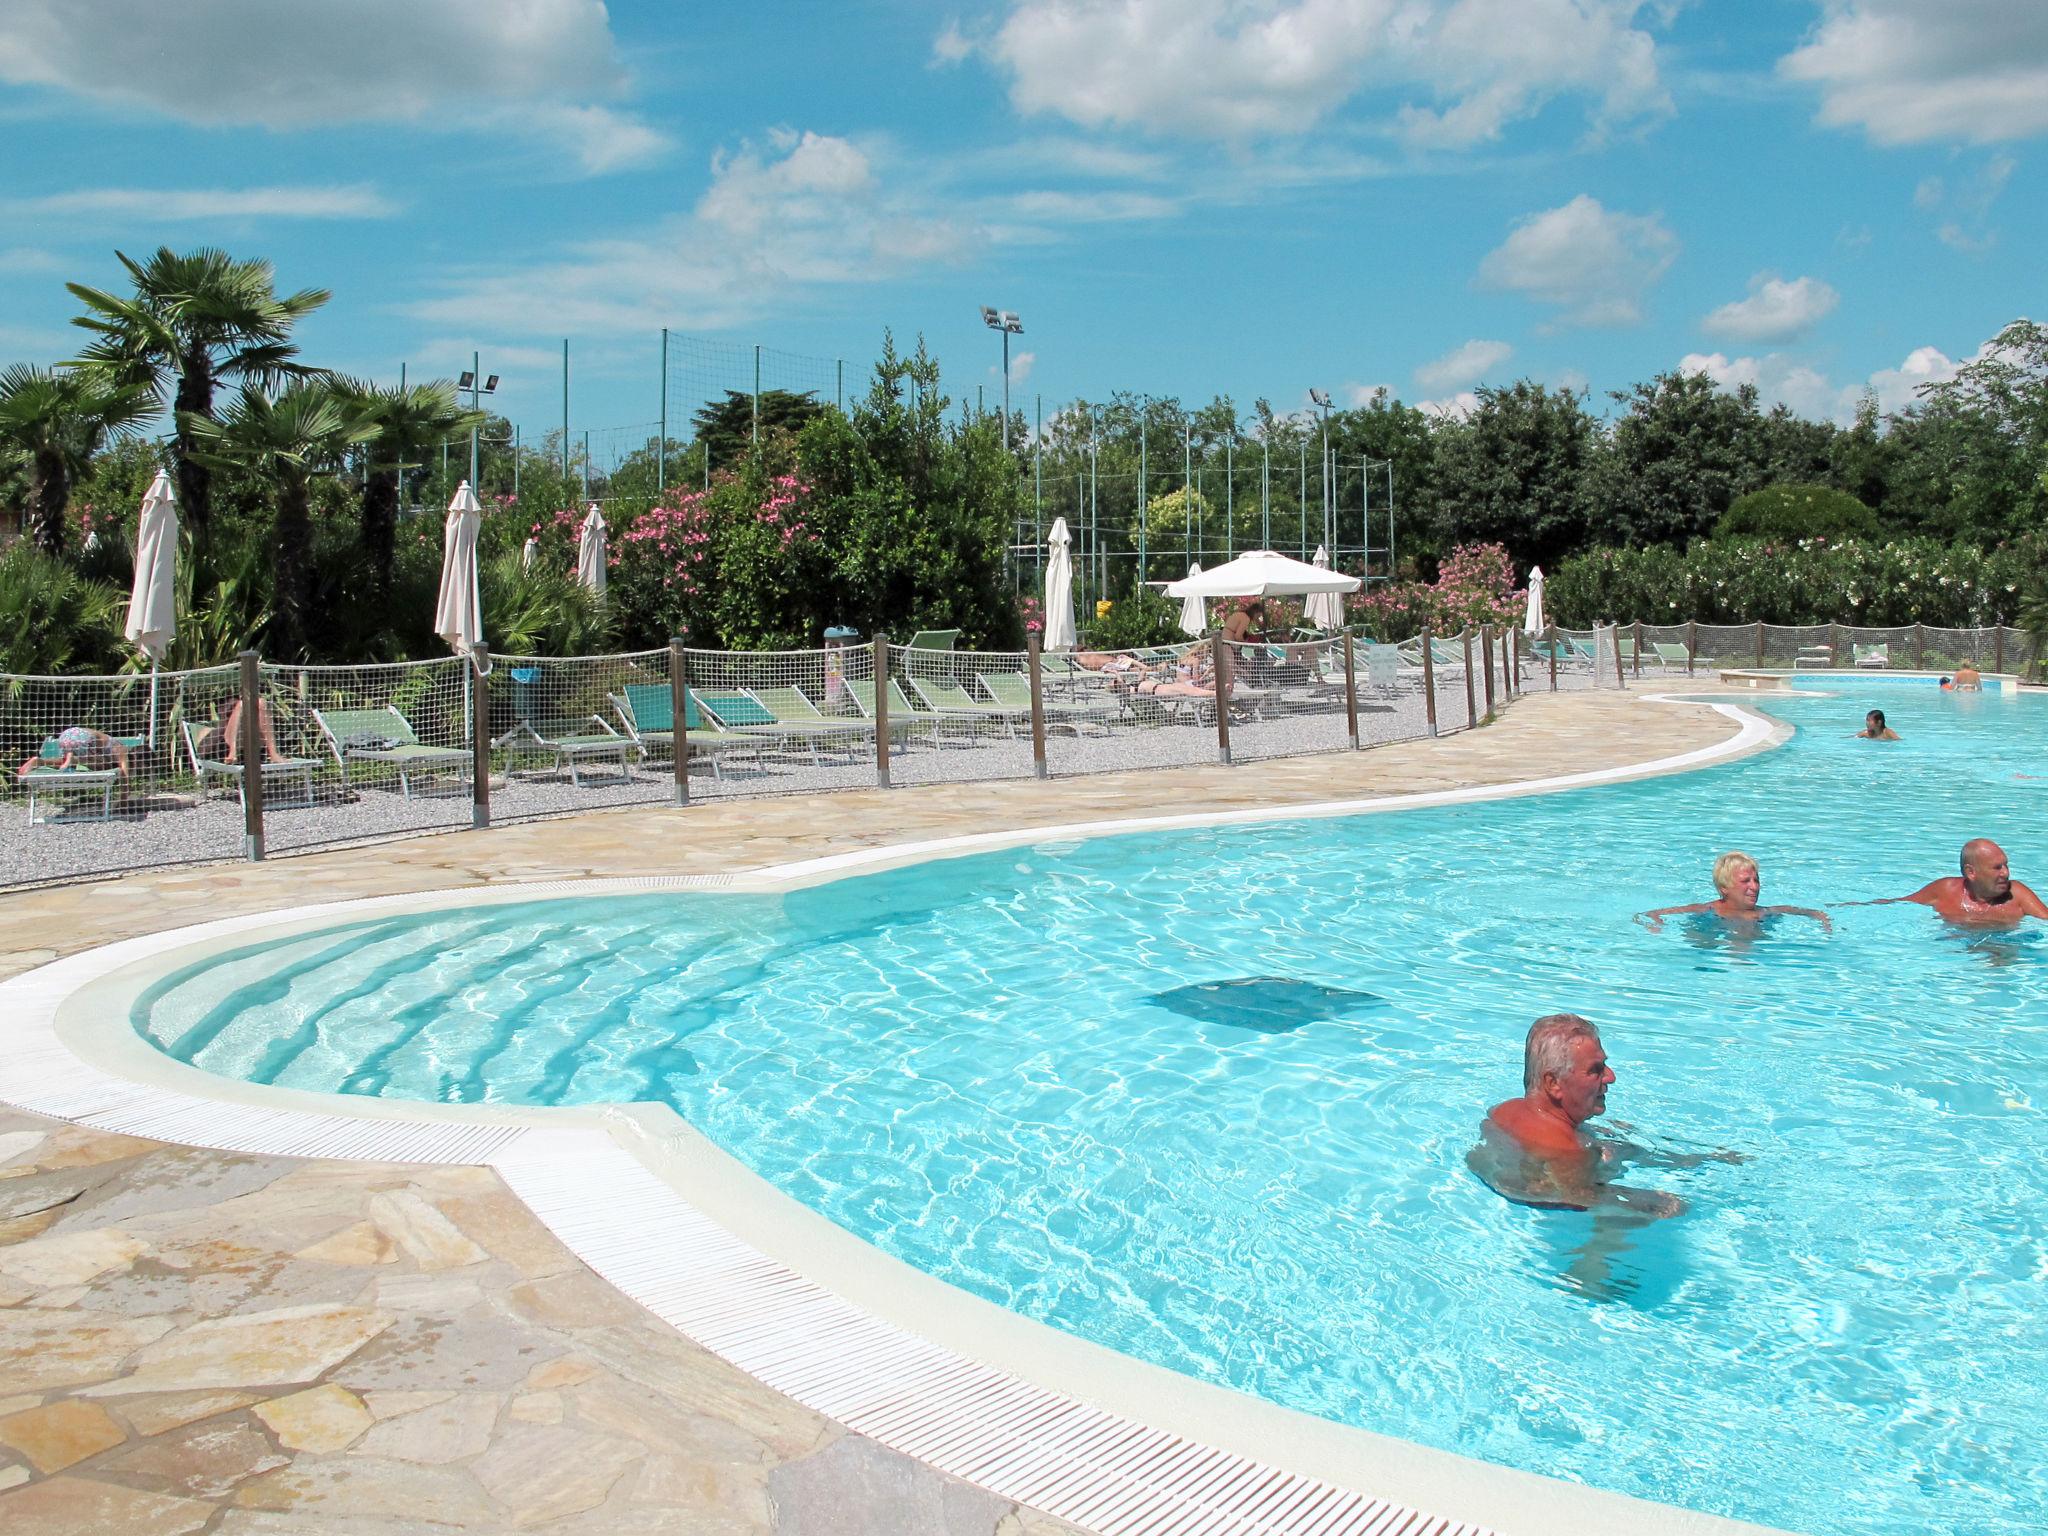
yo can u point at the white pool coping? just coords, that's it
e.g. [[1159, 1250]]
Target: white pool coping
[[1033, 1414]]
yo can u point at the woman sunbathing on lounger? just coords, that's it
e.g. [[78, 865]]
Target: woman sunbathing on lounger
[[222, 741], [79, 747], [1191, 679]]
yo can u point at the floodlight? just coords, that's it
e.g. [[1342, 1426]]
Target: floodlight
[[1321, 397], [466, 381], [491, 384], [991, 318], [1012, 323]]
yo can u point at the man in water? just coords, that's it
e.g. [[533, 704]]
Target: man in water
[[1969, 679], [1985, 894], [1874, 728], [1740, 883], [1534, 1150]]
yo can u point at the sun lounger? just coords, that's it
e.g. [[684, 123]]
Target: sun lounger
[[1879, 655], [572, 747], [386, 736], [62, 784], [745, 713], [647, 711], [284, 769], [1012, 690], [933, 640], [905, 718], [1671, 656], [1813, 656], [946, 697]]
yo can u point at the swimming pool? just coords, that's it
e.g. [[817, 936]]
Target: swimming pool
[[1205, 1096]]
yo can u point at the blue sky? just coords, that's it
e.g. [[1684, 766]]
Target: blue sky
[[1179, 196]]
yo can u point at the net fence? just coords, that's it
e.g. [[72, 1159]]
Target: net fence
[[148, 769]]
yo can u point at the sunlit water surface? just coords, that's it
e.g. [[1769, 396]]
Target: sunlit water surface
[[1205, 1097]]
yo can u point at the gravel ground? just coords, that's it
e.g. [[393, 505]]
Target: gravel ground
[[155, 827]]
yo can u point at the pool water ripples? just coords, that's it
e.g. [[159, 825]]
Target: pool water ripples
[[990, 1067]]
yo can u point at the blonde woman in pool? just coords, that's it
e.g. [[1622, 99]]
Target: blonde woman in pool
[[1740, 883]]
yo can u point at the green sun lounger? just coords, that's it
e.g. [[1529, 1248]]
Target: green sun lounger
[[647, 711], [1012, 690], [386, 736], [738, 710], [571, 746], [947, 697], [284, 770], [905, 718]]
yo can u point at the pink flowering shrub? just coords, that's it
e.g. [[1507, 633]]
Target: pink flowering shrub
[[1475, 585]]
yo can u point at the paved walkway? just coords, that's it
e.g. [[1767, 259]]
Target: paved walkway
[[195, 1341]]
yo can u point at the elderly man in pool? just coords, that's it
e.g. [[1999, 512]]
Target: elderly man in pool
[[1535, 1149], [1983, 895]]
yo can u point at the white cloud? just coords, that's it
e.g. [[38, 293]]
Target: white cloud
[[1776, 310], [1021, 364], [1466, 364], [1238, 69], [22, 258], [542, 68], [1911, 72], [1595, 266], [950, 46], [146, 204], [1458, 407], [1358, 396], [1963, 204], [805, 211], [1785, 380]]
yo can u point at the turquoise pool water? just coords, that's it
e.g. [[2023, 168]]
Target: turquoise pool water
[[1205, 1097]]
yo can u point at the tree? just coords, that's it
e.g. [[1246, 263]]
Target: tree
[[193, 322], [57, 421], [1516, 472], [726, 427], [401, 423], [1794, 512], [288, 439], [1685, 449], [1987, 429]]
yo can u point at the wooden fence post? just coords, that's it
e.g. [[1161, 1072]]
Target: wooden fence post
[[1471, 699], [1638, 649], [679, 718], [1486, 655], [479, 737], [1998, 647], [1919, 647], [1692, 643], [882, 711], [1759, 643], [1037, 705], [1350, 688], [1550, 632], [251, 750], [1619, 680], [1429, 679], [1220, 653]]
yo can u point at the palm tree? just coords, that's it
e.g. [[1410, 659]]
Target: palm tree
[[58, 421], [193, 322], [405, 421], [290, 439]]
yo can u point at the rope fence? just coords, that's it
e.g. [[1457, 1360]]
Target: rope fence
[[148, 769]]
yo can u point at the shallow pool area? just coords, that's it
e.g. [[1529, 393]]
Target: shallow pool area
[[1204, 1097]]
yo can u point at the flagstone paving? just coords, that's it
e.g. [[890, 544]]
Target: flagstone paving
[[202, 1341]]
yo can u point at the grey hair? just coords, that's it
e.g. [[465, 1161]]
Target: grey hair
[[1549, 1048]]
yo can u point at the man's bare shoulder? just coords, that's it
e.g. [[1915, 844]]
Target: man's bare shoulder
[[1934, 892], [2029, 900]]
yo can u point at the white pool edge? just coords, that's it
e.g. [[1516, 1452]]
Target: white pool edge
[[1033, 1414]]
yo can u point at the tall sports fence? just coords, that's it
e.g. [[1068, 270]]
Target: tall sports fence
[[143, 770]]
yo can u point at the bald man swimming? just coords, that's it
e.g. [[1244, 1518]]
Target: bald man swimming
[[1984, 894]]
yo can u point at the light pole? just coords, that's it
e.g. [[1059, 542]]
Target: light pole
[[1320, 398], [477, 386], [1006, 321]]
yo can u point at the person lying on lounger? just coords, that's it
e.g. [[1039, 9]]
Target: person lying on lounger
[[81, 747], [1740, 882], [1983, 895], [1194, 677], [1874, 728]]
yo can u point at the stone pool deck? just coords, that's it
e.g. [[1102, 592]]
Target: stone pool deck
[[199, 1341]]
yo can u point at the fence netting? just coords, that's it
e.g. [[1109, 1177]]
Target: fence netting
[[147, 769]]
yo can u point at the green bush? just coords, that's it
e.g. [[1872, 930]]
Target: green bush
[[1812, 581], [1145, 618], [56, 619], [1797, 512]]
